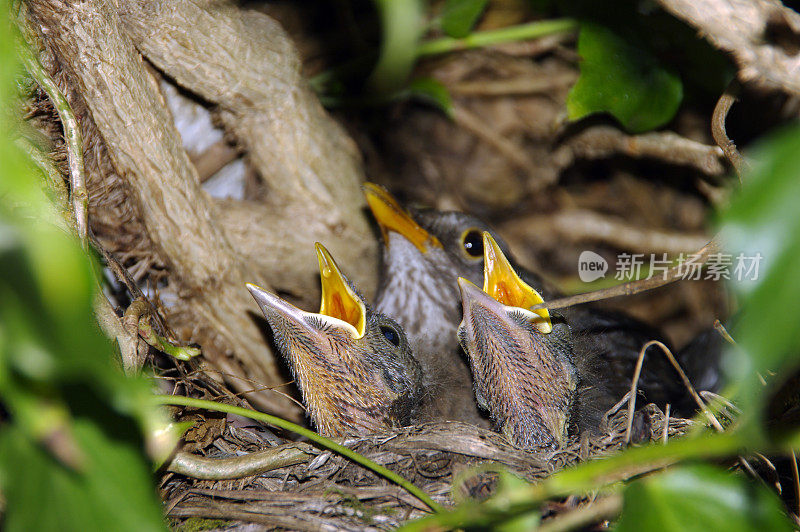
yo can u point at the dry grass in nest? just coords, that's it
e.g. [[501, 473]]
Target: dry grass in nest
[[326, 491], [156, 220]]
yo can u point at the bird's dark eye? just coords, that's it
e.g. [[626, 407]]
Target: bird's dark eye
[[473, 243], [392, 336]]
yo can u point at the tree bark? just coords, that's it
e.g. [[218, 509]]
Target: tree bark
[[305, 158], [762, 36], [244, 63]]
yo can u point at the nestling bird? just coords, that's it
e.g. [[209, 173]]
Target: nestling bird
[[423, 254], [353, 365], [426, 250], [527, 373]]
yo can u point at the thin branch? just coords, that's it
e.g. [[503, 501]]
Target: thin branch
[[604, 141], [132, 357], [514, 86], [721, 136], [634, 287], [632, 404], [213, 159], [714, 422], [723, 332], [582, 225], [632, 393]]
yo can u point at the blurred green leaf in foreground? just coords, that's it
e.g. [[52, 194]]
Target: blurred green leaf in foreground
[[762, 226], [71, 446], [700, 497]]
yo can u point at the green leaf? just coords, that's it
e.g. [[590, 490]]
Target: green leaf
[[74, 437], [460, 16], [763, 221], [112, 491], [700, 498], [71, 447], [431, 91], [622, 79]]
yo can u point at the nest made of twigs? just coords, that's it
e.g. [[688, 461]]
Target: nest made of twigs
[[328, 491]]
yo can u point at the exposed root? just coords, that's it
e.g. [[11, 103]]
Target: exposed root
[[721, 110]]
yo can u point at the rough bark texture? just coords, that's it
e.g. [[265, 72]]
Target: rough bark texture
[[179, 218], [249, 68], [762, 35]]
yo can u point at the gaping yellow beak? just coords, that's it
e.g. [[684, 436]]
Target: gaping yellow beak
[[338, 299], [392, 217], [502, 283]]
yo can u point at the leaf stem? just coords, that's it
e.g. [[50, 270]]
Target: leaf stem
[[179, 400], [72, 137], [531, 30]]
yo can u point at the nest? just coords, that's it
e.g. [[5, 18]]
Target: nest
[[191, 253], [449, 461]]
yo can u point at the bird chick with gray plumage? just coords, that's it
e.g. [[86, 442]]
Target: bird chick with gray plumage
[[424, 253], [354, 366], [527, 374]]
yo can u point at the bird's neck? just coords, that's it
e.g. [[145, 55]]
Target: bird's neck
[[421, 293]]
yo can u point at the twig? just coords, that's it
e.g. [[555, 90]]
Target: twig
[[614, 409], [632, 393], [242, 393], [603, 141], [535, 47], [582, 517], [716, 397], [665, 433], [128, 342], [178, 400], [213, 159], [581, 225], [72, 136], [632, 287], [137, 321], [505, 87], [639, 362], [631, 406], [721, 136], [767, 462], [724, 332], [204, 468]]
